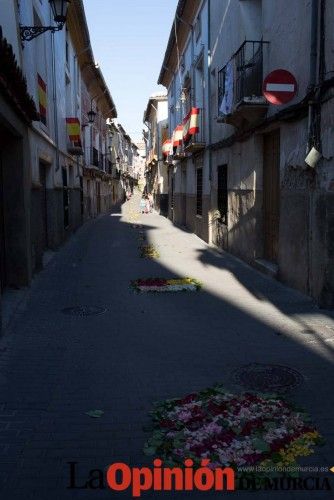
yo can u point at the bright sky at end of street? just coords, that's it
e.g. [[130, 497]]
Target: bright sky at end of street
[[129, 39]]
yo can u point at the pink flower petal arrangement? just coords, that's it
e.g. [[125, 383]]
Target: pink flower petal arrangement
[[231, 430], [166, 285]]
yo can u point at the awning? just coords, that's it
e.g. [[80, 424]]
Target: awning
[[191, 124]]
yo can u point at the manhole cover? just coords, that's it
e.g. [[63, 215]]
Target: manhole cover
[[84, 310], [267, 378]]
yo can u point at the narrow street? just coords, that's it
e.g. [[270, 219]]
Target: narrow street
[[55, 367]]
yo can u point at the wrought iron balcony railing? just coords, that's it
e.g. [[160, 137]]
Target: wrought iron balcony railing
[[240, 80], [196, 141]]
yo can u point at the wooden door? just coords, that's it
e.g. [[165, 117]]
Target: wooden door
[[271, 194]]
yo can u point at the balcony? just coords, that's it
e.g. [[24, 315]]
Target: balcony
[[179, 153], [194, 138], [240, 99], [74, 145], [169, 159], [74, 149]]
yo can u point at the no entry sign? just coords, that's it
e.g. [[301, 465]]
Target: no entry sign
[[279, 87]]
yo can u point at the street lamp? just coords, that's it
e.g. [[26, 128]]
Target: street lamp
[[59, 11], [183, 97], [91, 116]]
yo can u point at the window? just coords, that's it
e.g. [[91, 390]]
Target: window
[[199, 83], [199, 192], [222, 193], [186, 94], [198, 28], [95, 157], [182, 64], [221, 87], [66, 52], [71, 176], [67, 49]]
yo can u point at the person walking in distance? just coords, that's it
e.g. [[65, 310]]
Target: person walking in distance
[[142, 205], [150, 199], [147, 205]]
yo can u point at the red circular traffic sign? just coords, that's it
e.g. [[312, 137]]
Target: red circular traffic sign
[[279, 87]]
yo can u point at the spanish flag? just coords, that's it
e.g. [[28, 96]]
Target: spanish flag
[[177, 136], [166, 147], [73, 130], [191, 124], [42, 98]]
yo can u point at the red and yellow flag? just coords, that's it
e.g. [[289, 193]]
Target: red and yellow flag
[[166, 147], [42, 98], [177, 136], [73, 130], [191, 124]]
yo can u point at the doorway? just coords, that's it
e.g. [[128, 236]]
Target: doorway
[[14, 245], [44, 206], [66, 201], [172, 196], [98, 197], [271, 194], [2, 233], [183, 215]]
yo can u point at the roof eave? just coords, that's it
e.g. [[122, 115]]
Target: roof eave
[[77, 13], [171, 40]]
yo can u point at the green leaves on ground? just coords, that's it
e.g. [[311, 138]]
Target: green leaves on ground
[[95, 413]]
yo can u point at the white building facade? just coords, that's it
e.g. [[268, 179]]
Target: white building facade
[[46, 134], [156, 172], [244, 184], [184, 73]]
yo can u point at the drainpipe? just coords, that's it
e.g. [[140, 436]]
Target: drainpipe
[[157, 141], [192, 51], [209, 128], [209, 89], [312, 129], [313, 69], [149, 143], [54, 96]]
